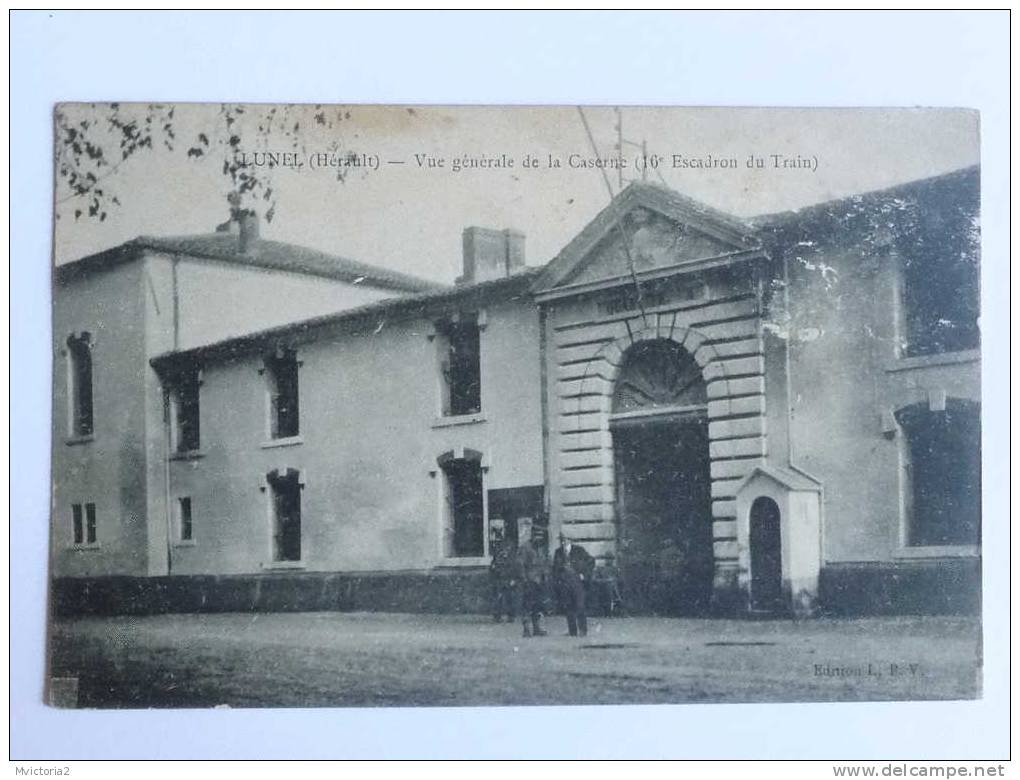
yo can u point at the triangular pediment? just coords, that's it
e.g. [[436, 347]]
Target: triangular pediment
[[648, 240], [645, 230]]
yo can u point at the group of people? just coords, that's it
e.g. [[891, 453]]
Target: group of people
[[521, 583]]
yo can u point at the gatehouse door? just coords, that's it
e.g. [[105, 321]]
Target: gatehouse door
[[663, 481], [766, 555]]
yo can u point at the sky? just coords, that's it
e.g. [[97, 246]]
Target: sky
[[408, 214]]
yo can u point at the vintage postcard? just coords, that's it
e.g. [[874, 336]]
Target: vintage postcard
[[414, 405]]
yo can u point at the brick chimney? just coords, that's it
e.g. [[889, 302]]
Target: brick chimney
[[249, 231], [491, 254], [244, 225]]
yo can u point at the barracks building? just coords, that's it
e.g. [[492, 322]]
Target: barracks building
[[779, 414]]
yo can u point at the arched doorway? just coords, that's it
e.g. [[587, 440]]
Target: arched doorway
[[663, 484], [765, 541]]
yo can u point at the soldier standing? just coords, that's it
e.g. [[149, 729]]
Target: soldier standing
[[502, 581], [531, 575]]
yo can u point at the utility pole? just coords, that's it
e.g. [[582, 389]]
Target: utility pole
[[624, 238], [622, 142]]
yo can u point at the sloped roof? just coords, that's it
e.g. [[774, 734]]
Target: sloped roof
[[840, 208], [749, 234], [792, 478], [274, 255], [505, 288]]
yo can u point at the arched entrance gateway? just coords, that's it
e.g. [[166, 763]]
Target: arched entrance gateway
[[659, 427]]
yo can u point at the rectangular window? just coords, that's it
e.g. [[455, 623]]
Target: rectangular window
[[465, 509], [282, 374], [286, 510], [461, 366], [90, 524], [940, 289], [184, 526], [184, 398], [79, 351], [940, 302], [78, 524], [942, 474]]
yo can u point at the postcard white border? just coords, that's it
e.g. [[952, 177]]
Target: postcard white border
[[706, 58]]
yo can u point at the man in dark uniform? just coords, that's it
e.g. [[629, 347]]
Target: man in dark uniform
[[572, 571], [531, 572], [502, 580]]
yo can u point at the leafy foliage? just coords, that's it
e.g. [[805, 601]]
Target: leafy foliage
[[91, 148], [94, 140]]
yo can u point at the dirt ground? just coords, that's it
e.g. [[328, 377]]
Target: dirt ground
[[361, 659]]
